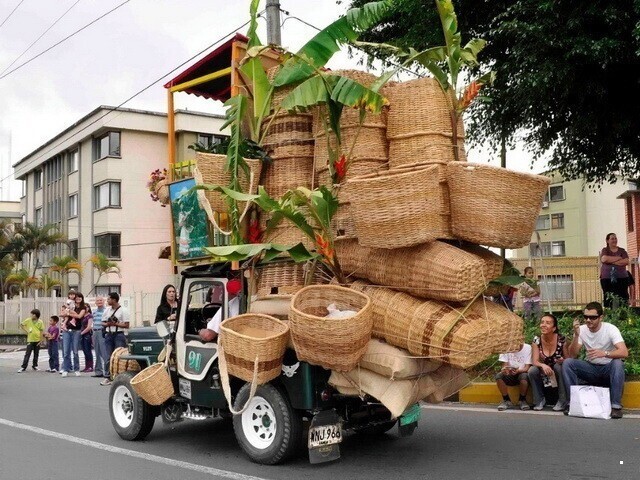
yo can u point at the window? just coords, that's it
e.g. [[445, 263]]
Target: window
[[73, 205], [104, 290], [37, 218], [73, 248], [24, 188], [53, 169], [37, 181], [108, 145], [557, 249], [547, 249], [54, 211], [106, 195], [74, 157], [629, 209], [107, 244], [543, 222], [207, 140], [556, 193], [557, 220], [558, 288]]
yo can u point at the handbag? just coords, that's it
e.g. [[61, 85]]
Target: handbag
[[590, 402], [630, 280]]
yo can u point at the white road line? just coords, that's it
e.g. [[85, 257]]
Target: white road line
[[463, 408], [131, 453]]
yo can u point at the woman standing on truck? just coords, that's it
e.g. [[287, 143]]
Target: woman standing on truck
[[168, 305]]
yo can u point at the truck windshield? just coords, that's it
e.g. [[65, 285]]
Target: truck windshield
[[204, 299]]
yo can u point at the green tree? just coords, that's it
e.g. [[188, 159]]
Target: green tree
[[566, 73], [46, 283], [33, 239], [104, 266], [23, 280], [65, 265]]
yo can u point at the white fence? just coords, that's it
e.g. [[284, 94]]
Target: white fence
[[140, 305]]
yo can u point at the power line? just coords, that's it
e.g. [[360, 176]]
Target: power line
[[37, 39], [12, 12], [64, 39]]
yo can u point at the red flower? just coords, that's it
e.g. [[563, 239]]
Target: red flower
[[254, 233], [469, 94], [340, 168], [324, 247]]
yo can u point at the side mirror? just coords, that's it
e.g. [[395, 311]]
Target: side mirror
[[164, 329]]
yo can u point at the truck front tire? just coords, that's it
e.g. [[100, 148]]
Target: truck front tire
[[131, 417], [269, 430]]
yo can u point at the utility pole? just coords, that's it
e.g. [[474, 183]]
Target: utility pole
[[273, 22]]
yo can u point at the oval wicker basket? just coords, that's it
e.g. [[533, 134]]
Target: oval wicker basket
[[333, 343], [494, 206], [247, 337], [118, 365], [162, 191], [153, 384], [398, 208]]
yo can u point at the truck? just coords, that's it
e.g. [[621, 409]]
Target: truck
[[299, 408]]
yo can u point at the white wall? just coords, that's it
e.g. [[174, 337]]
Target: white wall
[[605, 214]]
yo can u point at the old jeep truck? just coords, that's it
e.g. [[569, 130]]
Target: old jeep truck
[[297, 408]]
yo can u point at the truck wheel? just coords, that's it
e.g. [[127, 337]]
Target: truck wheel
[[377, 429], [132, 417], [269, 430]]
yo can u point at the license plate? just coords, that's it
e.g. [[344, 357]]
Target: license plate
[[325, 435], [184, 386]]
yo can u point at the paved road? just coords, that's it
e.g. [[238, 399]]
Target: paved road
[[60, 427]]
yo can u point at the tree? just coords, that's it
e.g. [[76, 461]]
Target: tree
[[104, 266], [45, 283], [6, 257], [566, 73], [32, 239], [23, 280], [65, 265]]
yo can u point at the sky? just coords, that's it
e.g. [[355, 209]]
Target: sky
[[122, 53]]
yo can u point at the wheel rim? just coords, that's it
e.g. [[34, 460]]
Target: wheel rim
[[259, 423], [122, 406]]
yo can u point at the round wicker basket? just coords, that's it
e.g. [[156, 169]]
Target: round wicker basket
[[247, 337], [153, 384], [333, 343], [118, 365]]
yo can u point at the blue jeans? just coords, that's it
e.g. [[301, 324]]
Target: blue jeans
[[609, 375], [101, 364], [86, 343], [535, 379], [54, 359], [111, 342], [71, 343]]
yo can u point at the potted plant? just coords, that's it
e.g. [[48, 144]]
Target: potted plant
[[158, 185]]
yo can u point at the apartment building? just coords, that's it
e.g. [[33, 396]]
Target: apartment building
[[90, 181], [570, 232]]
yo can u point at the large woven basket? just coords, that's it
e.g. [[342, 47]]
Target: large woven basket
[[209, 170], [286, 278], [333, 343], [419, 123], [398, 208], [508, 334], [153, 384], [289, 135], [118, 365], [287, 173], [434, 270], [494, 206], [247, 337], [286, 234]]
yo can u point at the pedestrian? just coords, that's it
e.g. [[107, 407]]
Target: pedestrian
[[168, 305], [115, 320], [614, 278], [71, 335], [605, 351], [100, 365], [33, 327], [530, 293], [52, 335], [86, 335], [515, 366]]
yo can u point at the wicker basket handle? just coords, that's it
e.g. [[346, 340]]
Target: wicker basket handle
[[226, 388]]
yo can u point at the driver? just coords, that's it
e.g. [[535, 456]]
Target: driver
[[209, 334]]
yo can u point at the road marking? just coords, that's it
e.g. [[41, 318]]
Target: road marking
[[511, 411], [131, 453]]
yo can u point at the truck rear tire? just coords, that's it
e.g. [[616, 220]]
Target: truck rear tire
[[269, 430], [131, 417]]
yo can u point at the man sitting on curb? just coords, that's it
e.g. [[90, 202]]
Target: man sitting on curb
[[605, 350], [514, 370]]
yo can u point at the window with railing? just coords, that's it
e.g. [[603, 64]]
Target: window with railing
[[547, 249]]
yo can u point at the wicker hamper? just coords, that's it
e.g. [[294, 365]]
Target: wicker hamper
[[494, 206], [286, 278], [118, 365], [419, 124], [333, 343], [247, 337], [398, 208], [153, 384]]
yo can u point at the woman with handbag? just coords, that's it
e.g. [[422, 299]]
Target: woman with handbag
[[614, 278]]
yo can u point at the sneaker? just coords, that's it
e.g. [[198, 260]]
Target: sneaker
[[22, 370], [53, 370], [105, 382], [524, 405], [35, 368], [77, 374], [540, 405], [64, 374], [616, 413], [566, 410], [558, 407], [504, 405], [62, 371]]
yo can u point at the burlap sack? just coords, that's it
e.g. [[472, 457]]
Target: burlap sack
[[442, 383], [393, 362]]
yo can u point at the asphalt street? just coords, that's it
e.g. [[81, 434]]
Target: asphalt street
[[59, 428]]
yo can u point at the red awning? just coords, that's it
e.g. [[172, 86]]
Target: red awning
[[220, 58]]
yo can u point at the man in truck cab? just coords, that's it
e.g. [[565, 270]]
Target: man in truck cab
[[210, 334]]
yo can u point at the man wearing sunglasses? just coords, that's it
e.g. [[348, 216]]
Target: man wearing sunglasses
[[605, 350]]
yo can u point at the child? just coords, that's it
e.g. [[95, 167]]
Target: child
[[52, 335], [530, 292], [33, 327], [69, 304]]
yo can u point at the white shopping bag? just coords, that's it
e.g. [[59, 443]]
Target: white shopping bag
[[590, 402]]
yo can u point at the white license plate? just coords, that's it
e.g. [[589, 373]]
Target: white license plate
[[325, 435], [185, 388]]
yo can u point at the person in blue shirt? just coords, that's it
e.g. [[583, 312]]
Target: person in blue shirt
[[101, 367]]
